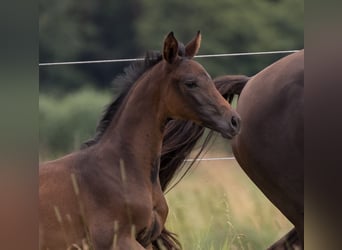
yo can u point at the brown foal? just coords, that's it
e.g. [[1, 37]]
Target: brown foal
[[108, 195]]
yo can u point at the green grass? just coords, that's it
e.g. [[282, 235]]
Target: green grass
[[218, 207]]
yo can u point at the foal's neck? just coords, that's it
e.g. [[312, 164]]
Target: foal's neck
[[136, 131]]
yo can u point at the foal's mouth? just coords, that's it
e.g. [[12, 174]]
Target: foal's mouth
[[230, 131], [227, 124], [227, 135]]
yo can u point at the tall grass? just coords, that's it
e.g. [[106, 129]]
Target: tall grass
[[218, 207]]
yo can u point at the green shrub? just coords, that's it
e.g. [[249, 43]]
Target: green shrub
[[66, 123]]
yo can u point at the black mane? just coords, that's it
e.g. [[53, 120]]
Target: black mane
[[124, 82]]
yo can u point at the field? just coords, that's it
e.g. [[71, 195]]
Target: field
[[218, 207]]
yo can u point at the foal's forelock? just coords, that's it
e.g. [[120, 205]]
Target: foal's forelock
[[181, 49]]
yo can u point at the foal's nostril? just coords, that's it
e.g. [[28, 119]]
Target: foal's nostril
[[235, 123]]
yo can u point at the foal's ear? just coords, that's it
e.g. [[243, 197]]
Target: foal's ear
[[170, 50], [193, 46]]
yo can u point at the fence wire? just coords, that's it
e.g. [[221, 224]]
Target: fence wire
[[140, 59], [198, 56]]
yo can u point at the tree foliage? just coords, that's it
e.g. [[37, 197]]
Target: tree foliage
[[90, 30], [227, 27], [85, 30]]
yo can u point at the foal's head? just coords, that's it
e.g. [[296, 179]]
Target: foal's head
[[190, 93]]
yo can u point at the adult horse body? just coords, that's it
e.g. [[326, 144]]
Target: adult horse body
[[270, 145], [109, 192]]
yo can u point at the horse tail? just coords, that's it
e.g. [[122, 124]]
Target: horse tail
[[230, 85], [180, 137], [166, 240]]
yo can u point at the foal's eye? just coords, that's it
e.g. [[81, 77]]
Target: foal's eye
[[191, 84]]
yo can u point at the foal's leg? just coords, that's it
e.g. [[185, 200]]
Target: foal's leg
[[125, 243], [128, 243], [104, 238]]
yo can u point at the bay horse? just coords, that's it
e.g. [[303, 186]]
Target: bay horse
[[107, 195], [270, 145]]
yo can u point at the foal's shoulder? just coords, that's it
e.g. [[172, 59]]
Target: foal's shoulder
[[63, 162]]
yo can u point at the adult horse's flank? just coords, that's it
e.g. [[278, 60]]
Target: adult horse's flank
[[108, 194], [270, 146]]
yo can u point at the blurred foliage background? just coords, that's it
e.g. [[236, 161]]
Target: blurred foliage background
[[93, 30], [218, 200]]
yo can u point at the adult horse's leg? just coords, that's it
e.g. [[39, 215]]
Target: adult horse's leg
[[300, 229], [290, 241]]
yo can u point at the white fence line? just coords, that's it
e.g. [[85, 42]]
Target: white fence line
[[140, 59], [211, 159]]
